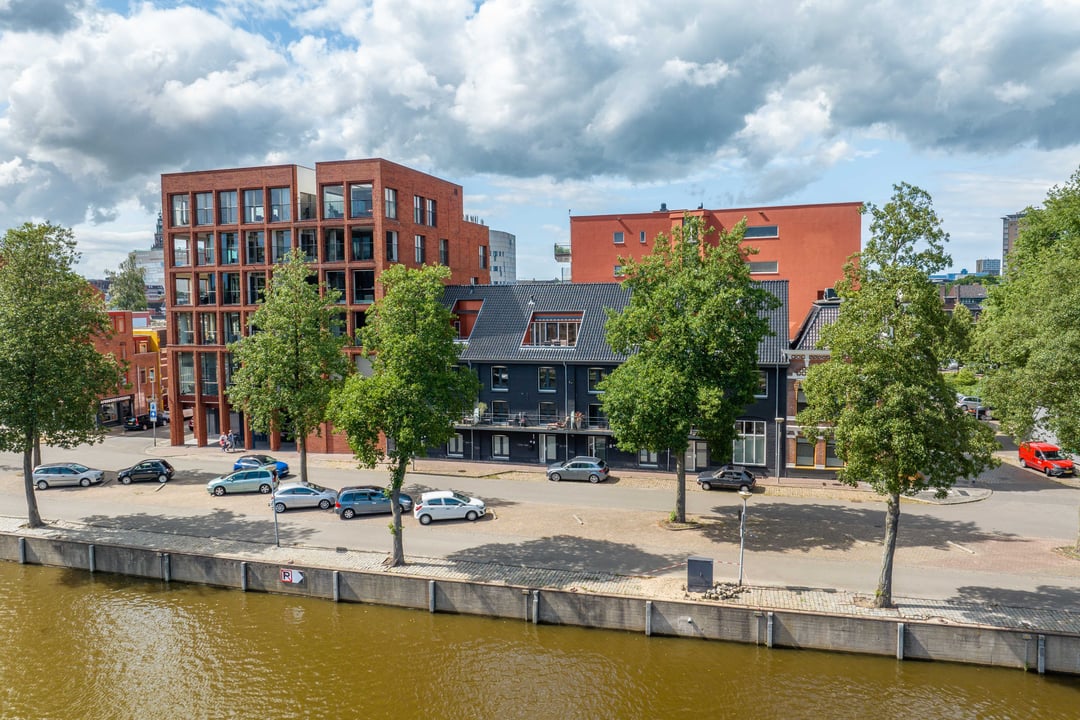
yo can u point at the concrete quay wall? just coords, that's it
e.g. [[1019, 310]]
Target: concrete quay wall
[[1032, 649]]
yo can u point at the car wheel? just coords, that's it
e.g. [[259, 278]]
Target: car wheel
[[425, 519], [279, 507], [1047, 471], [471, 516], [706, 486], [324, 504], [348, 514], [84, 482], [744, 488], [42, 485], [219, 490], [594, 478], [554, 477], [402, 509], [125, 479], [162, 478], [1023, 463], [264, 489]]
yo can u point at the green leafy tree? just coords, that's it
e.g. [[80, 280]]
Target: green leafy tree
[[127, 286], [416, 389], [691, 330], [880, 394], [292, 360], [51, 375]]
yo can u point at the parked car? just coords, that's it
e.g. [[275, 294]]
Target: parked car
[[1045, 457], [255, 480], [728, 477], [257, 461], [303, 495], [368, 500], [582, 467], [974, 406], [447, 505], [142, 422], [50, 474], [156, 469]]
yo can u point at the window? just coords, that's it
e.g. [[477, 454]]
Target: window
[[208, 328], [598, 446], [359, 321], [338, 325], [444, 252], [483, 257], [334, 245], [227, 207], [230, 326], [618, 271], [335, 280], [391, 246], [363, 244], [418, 209], [595, 376], [800, 399], [308, 245], [182, 289], [547, 412], [204, 249], [333, 201], [500, 412], [280, 205], [204, 208], [185, 329], [619, 238], [186, 364], [763, 385], [361, 204], [831, 460], [230, 288], [230, 248], [180, 211], [418, 249], [456, 446], [546, 379], [597, 418], [280, 245], [762, 231], [255, 247], [553, 329], [254, 210], [764, 266], [641, 237], [256, 286], [181, 250], [363, 286], [749, 447], [804, 452], [390, 203], [500, 446], [207, 289], [231, 366], [500, 377], [208, 361], [430, 205], [647, 457]]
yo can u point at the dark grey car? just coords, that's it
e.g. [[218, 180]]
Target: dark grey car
[[729, 477], [368, 500]]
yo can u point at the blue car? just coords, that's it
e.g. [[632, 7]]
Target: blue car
[[248, 462]]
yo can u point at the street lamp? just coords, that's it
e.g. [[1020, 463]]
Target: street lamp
[[744, 493], [779, 446]]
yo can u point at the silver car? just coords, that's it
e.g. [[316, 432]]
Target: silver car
[[259, 480], [303, 495], [48, 475], [582, 467]]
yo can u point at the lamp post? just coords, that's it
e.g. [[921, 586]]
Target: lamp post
[[779, 446], [745, 495]]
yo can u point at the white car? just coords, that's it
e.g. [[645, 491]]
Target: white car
[[447, 505]]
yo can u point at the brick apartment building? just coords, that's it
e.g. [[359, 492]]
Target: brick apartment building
[[225, 229], [135, 386], [807, 245]]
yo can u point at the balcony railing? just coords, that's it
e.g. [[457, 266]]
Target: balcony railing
[[531, 421], [562, 253]]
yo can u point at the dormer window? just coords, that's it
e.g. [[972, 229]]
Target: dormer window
[[553, 329]]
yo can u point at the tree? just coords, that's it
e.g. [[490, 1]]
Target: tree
[[127, 287], [416, 389], [292, 359], [51, 375], [880, 394], [691, 330]]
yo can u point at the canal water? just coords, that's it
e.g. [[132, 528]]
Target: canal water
[[75, 645]]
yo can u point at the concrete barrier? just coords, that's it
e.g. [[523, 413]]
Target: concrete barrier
[[973, 644]]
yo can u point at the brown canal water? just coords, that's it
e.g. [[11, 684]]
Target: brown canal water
[[76, 645]]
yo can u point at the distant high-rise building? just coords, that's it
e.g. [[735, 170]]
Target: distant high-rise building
[[503, 257], [1010, 228], [988, 266]]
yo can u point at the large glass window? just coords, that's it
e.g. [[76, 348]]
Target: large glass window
[[333, 201], [761, 231], [547, 412], [418, 209], [185, 329], [763, 384], [180, 211], [500, 377], [598, 446], [546, 378], [335, 280], [256, 287], [456, 446], [597, 418], [230, 288], [831, 459], [208, 328], [595, 376], [804, 452], [227, 201], [230, 248], [204, 249], [255, 247], [280, 244], [500, 412], [363, 244], [182, 289], [363, 286], [334, 245], [208, 363], [500, 446], [308, 245], [430, 207], [553, 329], [444, 252], [230, 326], [185, 362], [181, 250], [280, 205], [254, 210], [361, 204], [390, 203], [207, 289], [648, 457], [359, 323], [418, 249], [483, 257], [204, 208], [391, 246], [749, 447]]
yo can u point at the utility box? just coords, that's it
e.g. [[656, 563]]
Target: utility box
[[699, 572]]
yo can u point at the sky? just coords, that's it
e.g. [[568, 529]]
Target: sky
[[542, 109]]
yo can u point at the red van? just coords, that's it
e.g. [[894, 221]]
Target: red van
[[1046, 457]]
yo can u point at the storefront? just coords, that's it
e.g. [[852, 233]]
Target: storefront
[[113, 410]]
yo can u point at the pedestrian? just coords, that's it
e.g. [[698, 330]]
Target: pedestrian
[[223, 441]]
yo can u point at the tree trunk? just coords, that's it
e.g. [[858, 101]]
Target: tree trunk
[[37, 450], [883, 596], [33, 517], [301, 444], [397, 558], [680, 487]]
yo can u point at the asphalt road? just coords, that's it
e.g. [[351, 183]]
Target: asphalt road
[[1002, 549]]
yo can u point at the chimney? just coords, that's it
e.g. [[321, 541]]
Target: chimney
[[663, 207]]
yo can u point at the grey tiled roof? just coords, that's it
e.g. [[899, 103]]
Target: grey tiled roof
[[822, 313], [505, 314]]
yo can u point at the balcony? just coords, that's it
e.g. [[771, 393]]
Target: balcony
[[562, 253], [529, 421]]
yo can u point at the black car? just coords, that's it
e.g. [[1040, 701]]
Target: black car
[[159, 470], [729, 477], [142, 422]]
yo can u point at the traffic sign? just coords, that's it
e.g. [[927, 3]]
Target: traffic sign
[[291, 576], [153, 411]]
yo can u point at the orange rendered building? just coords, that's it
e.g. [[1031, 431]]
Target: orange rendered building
[[806, 245], [225, 230]]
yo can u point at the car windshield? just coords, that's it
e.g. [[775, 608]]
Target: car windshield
[[462, 498], [317, 488], [78, 468]]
